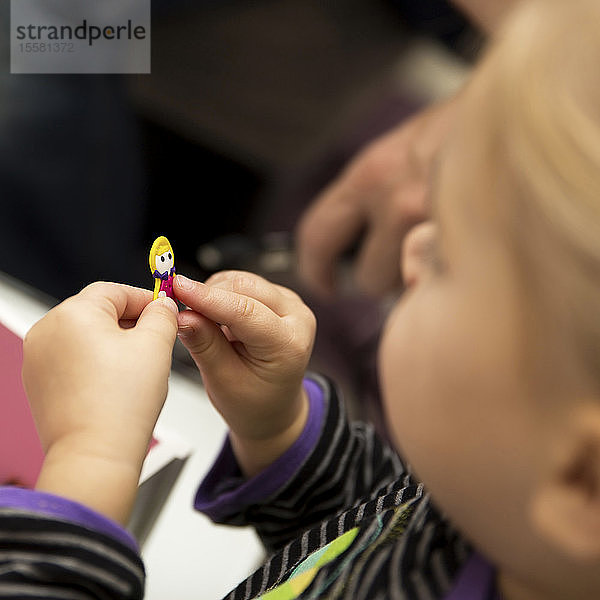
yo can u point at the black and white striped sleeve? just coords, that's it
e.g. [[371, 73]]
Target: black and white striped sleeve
[[42, 556], [348, 464]]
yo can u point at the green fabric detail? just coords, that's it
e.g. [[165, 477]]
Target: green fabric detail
[[326, 554], [305, 572], [303, 575], [291, 589]]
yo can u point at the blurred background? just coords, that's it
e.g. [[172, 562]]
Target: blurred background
[[250, 110]]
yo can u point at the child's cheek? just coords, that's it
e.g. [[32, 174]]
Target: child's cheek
[[422, 379], [401, 360]]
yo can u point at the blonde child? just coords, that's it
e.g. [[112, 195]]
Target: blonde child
[[489, 369]]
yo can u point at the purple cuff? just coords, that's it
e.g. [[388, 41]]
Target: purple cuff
[[477, 581], [43, 503], [225, 492]]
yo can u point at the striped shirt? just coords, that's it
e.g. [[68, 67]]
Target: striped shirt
[[403, 549], [339, 514]]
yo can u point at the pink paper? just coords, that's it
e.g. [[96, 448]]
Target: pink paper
[[21, 453], [20, 450]]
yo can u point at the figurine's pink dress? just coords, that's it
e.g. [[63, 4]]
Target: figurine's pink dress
[[166, 282]]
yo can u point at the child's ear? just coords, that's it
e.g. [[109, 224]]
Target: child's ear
[[566, 506]]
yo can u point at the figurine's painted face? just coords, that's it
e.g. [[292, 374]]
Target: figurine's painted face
[[164, 262]]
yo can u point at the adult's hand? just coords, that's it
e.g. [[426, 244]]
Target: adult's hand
[[381, 194]]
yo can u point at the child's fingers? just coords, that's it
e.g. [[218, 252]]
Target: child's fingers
[[159, 320], [279, 299], [204, 340], [119, 300], [297, 318], [248, 319]]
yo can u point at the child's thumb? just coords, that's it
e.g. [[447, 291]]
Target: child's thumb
[[159, 318]]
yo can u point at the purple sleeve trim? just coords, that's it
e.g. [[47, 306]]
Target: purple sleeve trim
[[224, 491], [477, 581], [50, 505]]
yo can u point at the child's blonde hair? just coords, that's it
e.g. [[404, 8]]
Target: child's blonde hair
[[544, 140]]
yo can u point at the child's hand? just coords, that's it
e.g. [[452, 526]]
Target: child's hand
[[252, 341], [95, 371]]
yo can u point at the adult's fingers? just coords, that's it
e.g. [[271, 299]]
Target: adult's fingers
[[326, 230], [337, 218], [377, 268]]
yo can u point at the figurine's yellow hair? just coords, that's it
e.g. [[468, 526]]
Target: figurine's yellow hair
[[160, 246]]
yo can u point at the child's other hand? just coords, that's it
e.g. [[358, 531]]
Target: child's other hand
[[95, 371], [251, 341]]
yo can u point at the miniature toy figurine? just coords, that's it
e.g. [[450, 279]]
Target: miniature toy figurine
[[162, 267]]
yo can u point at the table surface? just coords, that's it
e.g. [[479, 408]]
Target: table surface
[[186, 556]]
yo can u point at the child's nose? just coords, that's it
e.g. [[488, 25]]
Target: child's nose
[[416, 252]]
